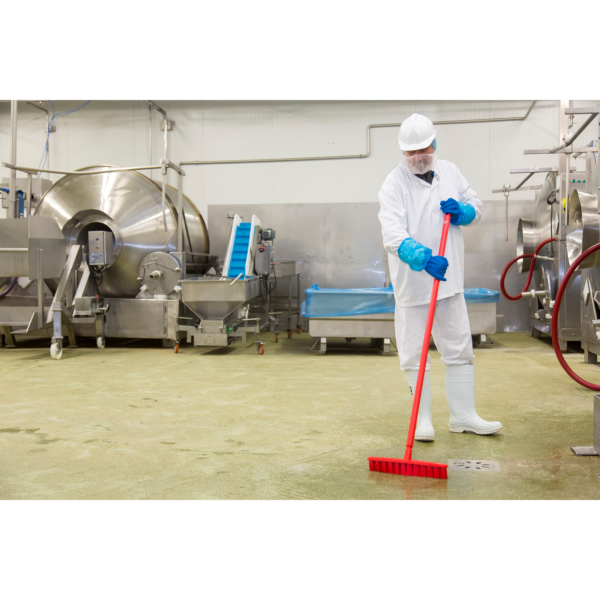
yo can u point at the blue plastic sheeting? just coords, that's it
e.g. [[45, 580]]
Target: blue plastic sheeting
[[481, 296], [347, 302], [333, 302]]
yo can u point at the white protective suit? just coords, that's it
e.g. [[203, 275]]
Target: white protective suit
[[410, 208]]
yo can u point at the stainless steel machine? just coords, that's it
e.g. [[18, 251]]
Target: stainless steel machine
[[550, 220], [566, 210], [118, 259], [241, 300], [106, 255]]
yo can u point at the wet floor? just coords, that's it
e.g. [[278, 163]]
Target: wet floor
[[137, 421]]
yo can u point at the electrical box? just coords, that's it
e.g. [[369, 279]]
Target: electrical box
[[100, 248], [39, 187], [262, 259]]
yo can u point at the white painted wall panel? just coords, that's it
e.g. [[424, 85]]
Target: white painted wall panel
[[118, 133]]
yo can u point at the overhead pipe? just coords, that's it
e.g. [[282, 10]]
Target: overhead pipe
[[48, 132], [347, 156], [165, 122], [570, 139], [33, 170]]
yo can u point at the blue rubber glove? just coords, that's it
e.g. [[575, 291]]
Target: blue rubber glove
[[436, 266], [462, 213], [451, 207]]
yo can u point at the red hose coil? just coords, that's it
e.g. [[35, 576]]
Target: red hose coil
[[531, 268], [555, 310]]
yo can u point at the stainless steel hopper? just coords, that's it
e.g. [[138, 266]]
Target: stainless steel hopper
[[214, 298]]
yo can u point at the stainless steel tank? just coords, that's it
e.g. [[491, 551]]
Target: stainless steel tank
[[583, 230], [128, 204]]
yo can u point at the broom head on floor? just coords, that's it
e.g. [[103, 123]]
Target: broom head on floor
[[402, 466]]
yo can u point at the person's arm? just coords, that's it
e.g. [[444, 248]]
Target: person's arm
[[392, 216], [469, 197]]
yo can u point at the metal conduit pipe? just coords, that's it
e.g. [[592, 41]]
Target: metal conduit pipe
[[47, 127], [165, 123], [33, 170], [347, 156], [11, 213]]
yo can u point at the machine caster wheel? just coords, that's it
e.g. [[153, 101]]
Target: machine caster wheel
[[176, 348], [299, 329], [260, 349], [55, 351], [277, 338], [289, 333], [100, 342]]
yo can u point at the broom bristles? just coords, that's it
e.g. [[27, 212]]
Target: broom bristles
[[414, 468]]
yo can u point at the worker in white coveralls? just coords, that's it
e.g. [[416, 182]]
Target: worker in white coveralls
[[413, 200]]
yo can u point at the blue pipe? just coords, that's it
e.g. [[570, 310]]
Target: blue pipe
[[21, 196]]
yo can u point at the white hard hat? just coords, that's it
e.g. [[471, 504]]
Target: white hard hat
[[416, 133]]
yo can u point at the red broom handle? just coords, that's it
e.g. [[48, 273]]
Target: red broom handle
[[417, 400]]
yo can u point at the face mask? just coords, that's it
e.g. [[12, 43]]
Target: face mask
[[419, 164]]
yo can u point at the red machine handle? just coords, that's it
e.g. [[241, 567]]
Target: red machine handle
[[421, 376]]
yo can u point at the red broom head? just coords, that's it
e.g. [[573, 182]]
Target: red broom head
[[415, 468]]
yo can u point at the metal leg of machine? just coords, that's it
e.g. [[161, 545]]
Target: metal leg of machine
[[323, 346], [595, 449], [597, 424], [298, 316], [589, 357], [289, 311], [8, 339]]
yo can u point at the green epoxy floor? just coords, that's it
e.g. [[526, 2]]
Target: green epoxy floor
[[136, 422]]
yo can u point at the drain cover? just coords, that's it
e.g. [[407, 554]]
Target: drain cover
[[473, 465]]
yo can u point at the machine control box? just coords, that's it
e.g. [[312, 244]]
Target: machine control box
[[100, 248], [39, 187], [262, 260]]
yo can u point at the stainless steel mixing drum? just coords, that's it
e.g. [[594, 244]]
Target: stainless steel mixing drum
[[129, 205]]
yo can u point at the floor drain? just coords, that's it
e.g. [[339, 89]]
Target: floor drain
[[473, 465]]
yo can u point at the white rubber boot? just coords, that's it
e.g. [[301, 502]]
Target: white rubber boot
[[424, 431], [460, 394]]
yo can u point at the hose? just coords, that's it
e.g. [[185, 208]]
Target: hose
[[531, 268], [10, 288], [555, 310]]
